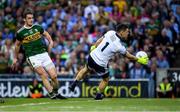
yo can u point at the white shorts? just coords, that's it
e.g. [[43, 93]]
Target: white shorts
[[42, 59]]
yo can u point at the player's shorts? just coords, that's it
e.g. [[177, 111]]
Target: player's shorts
[[42, 59], [101, 71]]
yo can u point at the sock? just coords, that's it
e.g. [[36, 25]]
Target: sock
[[55, 90], [74, 83], [55, 87]]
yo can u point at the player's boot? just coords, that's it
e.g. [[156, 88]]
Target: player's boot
[[58, 95], [52, 95], [99, 96]]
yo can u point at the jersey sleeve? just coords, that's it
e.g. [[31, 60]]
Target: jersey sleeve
[[18, 37], [120, 48], [40, 28]]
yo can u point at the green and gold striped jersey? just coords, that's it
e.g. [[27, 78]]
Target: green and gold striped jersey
[[32, 40]]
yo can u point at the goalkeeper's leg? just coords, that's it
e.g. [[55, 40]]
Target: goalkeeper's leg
[[102, 85], [81, 74]]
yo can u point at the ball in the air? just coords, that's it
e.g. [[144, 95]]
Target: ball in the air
[[141, 54]]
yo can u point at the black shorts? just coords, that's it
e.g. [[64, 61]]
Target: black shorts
[[97, 68]]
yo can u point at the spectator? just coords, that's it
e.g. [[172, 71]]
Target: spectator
[[121, 4], [137, 72], [114, 70], [161, 60], [102, 17], [108, 8], [151, 75], [135, 9], [115, 16], [174, 4], [3, 64], [167, 31], [36, 89], [63, 71], [81, 58], [7, 49], [27, 71], [7, 34], [91, 9], [164, 90]]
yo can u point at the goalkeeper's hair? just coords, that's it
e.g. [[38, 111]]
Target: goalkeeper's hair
[[27, 11], [121, 27]]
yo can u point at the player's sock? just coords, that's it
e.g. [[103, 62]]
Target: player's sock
[[73, 85], [55, 90]]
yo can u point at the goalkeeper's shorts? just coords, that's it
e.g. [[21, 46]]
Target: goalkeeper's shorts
[[101, 71]]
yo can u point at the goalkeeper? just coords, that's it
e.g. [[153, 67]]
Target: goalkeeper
[[101, 52]]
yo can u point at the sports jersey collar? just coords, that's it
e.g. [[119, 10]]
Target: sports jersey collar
[[121, 39], [28, 27]]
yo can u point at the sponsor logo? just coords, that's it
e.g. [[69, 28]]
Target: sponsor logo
[[32, 37], [21, 89], [113, 91], [7, 90]]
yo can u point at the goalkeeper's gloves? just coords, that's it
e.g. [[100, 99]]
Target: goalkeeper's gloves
[[143, 60], [92, 48]]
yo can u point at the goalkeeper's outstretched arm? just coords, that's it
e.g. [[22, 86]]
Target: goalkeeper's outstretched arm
[[98, 41], [142, 60], [96, 44], [130, 56]]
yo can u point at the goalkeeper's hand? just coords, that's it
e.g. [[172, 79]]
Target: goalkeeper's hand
[[143, 60], [92, 48]]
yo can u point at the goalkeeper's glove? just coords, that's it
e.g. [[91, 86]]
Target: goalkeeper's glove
[[92, 48], [143, 60]]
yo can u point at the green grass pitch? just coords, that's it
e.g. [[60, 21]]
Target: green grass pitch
[[89, 105]]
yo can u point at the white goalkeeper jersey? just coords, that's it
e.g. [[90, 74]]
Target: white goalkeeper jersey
[[110, 45]]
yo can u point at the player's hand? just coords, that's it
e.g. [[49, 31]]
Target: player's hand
[[13, 66], [143, 60], [92, 48]]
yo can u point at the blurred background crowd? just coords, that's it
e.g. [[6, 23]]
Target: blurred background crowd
[[76, 24]]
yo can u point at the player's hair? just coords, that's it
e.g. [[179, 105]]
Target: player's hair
[[121, 27], [27, 11]]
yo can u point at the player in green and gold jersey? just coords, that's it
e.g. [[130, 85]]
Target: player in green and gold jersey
[[30, 37]]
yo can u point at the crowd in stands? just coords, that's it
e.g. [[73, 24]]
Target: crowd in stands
[[76, 24]]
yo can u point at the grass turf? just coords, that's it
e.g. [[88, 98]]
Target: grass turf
[[89, 105]]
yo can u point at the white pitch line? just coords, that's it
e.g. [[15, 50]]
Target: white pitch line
[[26, 104], [34, 104], [70, 101]]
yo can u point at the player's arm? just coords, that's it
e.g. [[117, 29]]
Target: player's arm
[[130, 56], [96, 44], [17, 48], [48, 37], [98, 41], [16, 51], [142, 60]]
